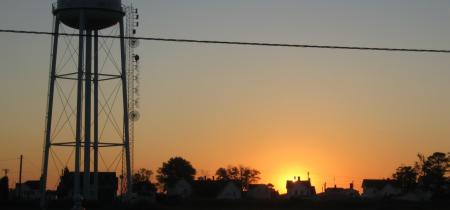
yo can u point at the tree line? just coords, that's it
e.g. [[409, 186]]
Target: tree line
[[430, 173], [178, 168]]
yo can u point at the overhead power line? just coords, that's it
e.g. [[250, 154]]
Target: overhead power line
[[337, 47]]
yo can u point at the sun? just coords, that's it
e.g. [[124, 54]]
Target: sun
[[288, 174]]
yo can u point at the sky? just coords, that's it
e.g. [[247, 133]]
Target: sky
[[341, 115]]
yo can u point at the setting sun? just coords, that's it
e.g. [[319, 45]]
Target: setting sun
[[288, 174]]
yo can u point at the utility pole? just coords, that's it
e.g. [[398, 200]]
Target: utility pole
[[20, 178]]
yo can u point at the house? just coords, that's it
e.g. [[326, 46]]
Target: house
[[231, 191], [217, 189], [4, 188], [107, 185], [300, 189], [338, 193], [261, 191], [380, 188], [181, 189], [415, 195], [29, 190], [143, 191]]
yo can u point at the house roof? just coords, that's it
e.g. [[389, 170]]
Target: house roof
[[338, 193], [290, 184], [32, 184], [335, 190], [210, 188], [378, 183], [339, 190]]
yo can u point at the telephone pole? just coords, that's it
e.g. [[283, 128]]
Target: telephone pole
[[20, 178]]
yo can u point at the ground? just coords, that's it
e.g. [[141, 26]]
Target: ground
[[245, 205]]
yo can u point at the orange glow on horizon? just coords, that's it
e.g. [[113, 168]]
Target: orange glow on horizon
[[287, 174]]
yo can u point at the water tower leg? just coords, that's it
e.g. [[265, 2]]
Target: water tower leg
[[95, 189], [125, 109], [48, 129], [76, 188], [87, 118]]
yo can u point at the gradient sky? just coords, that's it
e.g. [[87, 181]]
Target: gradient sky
[[341, 115]]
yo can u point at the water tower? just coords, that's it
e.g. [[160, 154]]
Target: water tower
[[88, 18]]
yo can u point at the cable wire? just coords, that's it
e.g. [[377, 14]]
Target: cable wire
[[336, 47]]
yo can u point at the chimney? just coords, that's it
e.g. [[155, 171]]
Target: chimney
[[309, 179], [213, 178], [298, 178], [351, 186]]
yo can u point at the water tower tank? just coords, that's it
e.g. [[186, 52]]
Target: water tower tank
[[99, 14]]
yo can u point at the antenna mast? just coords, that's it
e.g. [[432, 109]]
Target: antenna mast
[[132, 17]]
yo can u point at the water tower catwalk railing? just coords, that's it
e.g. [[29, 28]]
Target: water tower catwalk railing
[[88, 17]]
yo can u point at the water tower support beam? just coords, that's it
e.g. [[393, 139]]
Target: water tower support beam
[[95, 188], [48, 126], [76, 188], [87, 118]]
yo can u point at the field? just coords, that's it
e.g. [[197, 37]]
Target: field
[[247, 205]]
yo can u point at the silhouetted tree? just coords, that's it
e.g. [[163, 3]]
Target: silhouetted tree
[[4, 188], [222, 174], [243, 175], [173, 170], [433, 170], [141, 182], [406, 176]]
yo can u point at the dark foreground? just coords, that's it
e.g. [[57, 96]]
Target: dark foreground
[[245, 205]]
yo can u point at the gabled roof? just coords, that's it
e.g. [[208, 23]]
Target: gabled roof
[[378, 183]]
